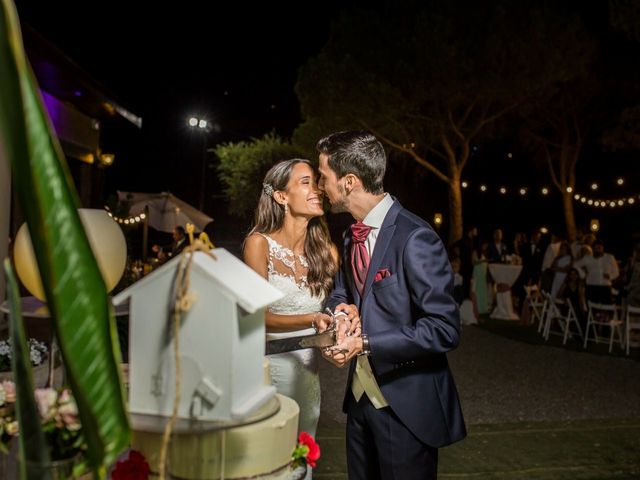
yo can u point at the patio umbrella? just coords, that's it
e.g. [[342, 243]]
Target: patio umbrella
[[165, 210]]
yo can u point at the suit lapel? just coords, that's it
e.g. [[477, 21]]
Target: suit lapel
[[382, 244]]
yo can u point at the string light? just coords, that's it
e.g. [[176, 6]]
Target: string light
[[577, 196], [132, 220]]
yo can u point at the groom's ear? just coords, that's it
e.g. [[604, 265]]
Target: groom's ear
[[350, 182]]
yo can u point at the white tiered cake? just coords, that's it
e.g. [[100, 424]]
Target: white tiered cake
[[257, 451]]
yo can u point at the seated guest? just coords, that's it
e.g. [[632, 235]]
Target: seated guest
[[176, 247], [599, 269], [572, 291], [560, 266]]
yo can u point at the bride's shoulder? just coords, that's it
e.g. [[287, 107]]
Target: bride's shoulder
[[256, 243]]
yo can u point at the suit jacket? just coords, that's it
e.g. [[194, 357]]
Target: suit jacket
[[495, 253], [412, 320]]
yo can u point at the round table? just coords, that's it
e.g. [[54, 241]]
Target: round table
[[506, 275]]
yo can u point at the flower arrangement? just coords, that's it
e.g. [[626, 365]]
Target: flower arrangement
[[37, 353], [307, 451], [58, 417]]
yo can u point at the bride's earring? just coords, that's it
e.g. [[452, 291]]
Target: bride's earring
[[286, 208]]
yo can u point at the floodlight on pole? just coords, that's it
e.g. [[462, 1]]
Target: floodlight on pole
[[204, 126]]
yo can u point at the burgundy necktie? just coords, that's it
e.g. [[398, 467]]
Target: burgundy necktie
[[359, 254]]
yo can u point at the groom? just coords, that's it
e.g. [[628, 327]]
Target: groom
[[401, 401]]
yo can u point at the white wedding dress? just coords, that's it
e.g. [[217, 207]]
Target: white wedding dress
[[295, 374]]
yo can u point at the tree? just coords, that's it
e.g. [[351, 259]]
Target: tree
[[432, 78], [243, 166], [559, 128]]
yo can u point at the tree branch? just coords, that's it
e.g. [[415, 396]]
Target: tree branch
[[454, 127], [554, 179], [410, 151], [492, 118]]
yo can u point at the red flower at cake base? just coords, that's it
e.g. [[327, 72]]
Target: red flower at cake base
[[307, 451], [133, 468]]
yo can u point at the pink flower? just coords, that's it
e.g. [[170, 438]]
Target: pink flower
[[67, 414], [46, 400], [9, 391]]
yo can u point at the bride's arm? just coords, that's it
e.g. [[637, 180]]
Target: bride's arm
[[256, 255]]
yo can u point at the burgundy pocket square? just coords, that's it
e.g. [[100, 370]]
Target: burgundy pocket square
[[382, 273]]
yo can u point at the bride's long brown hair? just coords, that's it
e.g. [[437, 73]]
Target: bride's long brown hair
[[269, 218]]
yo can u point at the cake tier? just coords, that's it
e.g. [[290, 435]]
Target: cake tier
[[261, 450]]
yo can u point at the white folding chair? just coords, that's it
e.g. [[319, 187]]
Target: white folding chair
[[551, 314], [603, 315], [534, 301], [560, 312], [632, 322], [570, 319]]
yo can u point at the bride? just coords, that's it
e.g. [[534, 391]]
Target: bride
[[290, 246]]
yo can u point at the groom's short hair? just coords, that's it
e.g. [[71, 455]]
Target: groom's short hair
[[359, 153]]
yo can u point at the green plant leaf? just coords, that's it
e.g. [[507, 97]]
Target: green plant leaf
[[74, 288], [33, 445]]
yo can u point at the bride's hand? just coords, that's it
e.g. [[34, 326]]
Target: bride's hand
[[321, 321]]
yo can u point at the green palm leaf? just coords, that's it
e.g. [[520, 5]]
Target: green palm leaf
[[33, 445], [75, 291]]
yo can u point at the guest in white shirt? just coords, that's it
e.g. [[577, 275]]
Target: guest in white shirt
[[599, 269]]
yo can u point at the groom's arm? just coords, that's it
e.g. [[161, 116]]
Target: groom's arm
[[436, 324]]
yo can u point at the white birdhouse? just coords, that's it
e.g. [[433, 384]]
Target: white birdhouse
[[222, 341]]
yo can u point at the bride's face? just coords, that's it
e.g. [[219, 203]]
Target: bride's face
[[303, 196]]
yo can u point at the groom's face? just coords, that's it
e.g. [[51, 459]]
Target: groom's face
[[331, 186]]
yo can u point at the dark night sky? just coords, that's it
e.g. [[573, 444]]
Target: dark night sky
[[236, 63], [232, 62]]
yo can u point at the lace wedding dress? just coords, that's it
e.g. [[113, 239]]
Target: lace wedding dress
[[295, 374]]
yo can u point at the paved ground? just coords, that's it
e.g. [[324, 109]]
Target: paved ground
[[533, 411], [502, 380]]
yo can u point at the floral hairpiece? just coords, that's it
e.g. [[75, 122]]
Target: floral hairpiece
[[268, 189]]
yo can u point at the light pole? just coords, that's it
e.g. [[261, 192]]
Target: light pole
[[204, 127]]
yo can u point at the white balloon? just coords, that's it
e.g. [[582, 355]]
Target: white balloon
[[107, 243]]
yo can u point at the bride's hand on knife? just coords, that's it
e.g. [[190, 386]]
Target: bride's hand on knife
[[321, 322]]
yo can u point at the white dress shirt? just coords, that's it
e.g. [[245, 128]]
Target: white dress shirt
[[374, 219], [364, 381], [596, 268]]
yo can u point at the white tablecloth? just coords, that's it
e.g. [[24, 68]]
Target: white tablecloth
[[505, 274]]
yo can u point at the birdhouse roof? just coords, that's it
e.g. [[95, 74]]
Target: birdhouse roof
[[250, 290]]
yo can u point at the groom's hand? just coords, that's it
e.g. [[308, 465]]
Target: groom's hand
[[334, 357], [345, 350], [351, 318]]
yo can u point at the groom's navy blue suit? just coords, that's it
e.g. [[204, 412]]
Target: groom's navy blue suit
[[412, 320]]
